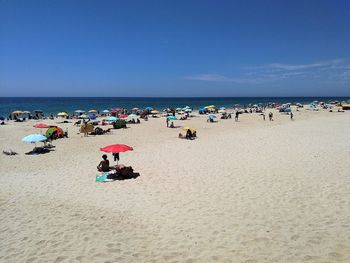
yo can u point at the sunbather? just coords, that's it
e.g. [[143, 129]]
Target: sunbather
[[104, 165]]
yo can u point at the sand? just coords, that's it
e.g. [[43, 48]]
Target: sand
[[247, 191]]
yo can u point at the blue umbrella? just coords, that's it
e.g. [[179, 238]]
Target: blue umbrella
[[111, 118], [172, 118], [148, 108], [211, 116], [2, 118], [92, 116], [34, 138]]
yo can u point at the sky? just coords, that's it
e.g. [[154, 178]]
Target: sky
[[174, 48]]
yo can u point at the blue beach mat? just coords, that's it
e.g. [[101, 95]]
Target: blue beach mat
[[102, 178]]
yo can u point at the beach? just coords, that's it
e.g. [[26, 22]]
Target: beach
[[246, 191]]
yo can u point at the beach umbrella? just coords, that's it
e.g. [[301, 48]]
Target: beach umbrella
[[132, 116], [92, 111], [34, 138], [178, 109], [17, 112], [62, 114], [222, 111], [189, 128], [105, 111], [79, 111], [172, 118], [112, 118], [222, 108], [2, 118], [83, 116], [116, 149], [135, 109], [122, 116], [148, 108], [188, 110], [26, 112], [41, 126], [92, 116], [211, 116]]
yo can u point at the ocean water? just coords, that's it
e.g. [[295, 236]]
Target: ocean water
[[53, 105]]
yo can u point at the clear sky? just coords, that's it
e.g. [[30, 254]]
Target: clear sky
[[175, 48]]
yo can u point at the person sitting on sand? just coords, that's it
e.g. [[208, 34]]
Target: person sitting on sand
[[189, 134], [104, 164], [172, 125]]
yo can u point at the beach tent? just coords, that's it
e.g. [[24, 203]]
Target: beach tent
[[58, 132]]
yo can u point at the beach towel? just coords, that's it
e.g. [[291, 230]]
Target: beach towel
[[103, 178]]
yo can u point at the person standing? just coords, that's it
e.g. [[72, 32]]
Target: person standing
[[236, 116], [271, 116], [167, 122], [291, 115]]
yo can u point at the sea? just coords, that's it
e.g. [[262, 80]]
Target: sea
[[53, 105]]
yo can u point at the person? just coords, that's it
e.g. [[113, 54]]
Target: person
[[116, 156], [263, 114], [104, 164], [291, 115], [172, 125], [167, 122], [271, 116], [138, 121], [236, 116], [189, 134]]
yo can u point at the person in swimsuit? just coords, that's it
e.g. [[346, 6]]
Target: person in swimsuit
[[104, 164]]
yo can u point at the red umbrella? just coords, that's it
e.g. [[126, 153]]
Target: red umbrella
[[135, 109], [116, 148], [41, 125], [122, 116], [119, 109]]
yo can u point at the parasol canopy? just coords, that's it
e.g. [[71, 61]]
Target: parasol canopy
[[172, 118], [116, 148], [41, 125], [33, 138]]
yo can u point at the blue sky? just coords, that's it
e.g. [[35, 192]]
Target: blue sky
[[175, 48]]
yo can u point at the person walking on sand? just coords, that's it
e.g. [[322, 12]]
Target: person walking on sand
[[291, 116], [236, 116], [271, 116]]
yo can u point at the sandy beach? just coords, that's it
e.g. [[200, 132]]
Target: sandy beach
[[247, 191]]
